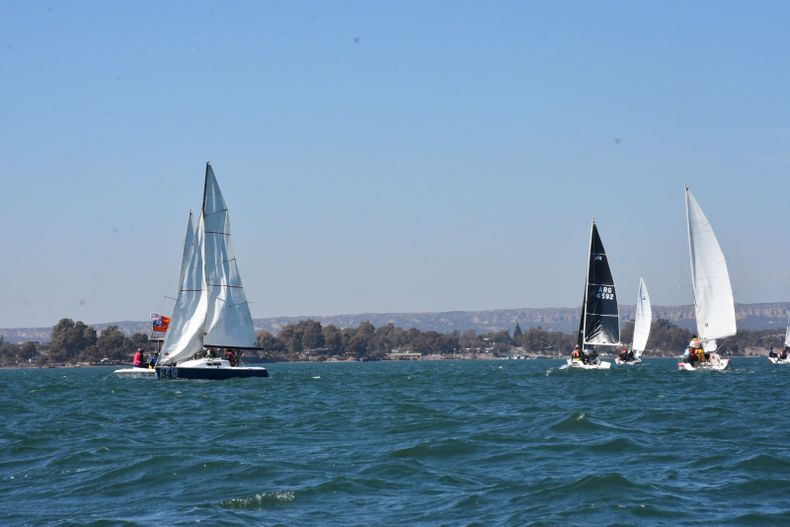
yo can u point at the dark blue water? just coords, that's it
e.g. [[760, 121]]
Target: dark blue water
[[407, 443]]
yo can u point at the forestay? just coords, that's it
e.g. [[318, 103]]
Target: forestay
[[642, 319], [713, 301]]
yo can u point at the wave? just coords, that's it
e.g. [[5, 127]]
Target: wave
[[437, 449], [261, 500]]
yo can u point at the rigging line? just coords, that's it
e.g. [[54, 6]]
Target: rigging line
[[217, 232]]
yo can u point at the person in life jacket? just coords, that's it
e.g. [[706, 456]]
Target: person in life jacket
[[772, 353], [590, 356], [576, 353], [623, 355], [230, 355], [701, 355], [137, 360], [783, 355]]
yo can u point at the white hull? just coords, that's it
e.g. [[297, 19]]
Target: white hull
[[714, 363], [777, 360], [576, 363], [620, 362], [136, 373]]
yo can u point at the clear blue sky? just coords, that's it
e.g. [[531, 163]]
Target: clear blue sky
[[388, 156]]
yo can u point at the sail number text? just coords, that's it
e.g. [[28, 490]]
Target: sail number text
[[605, 293]]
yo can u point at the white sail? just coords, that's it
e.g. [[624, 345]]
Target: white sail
[[184, 337], [228, 321], [642, 319], [713, 301], [189, 241], [787, 333]]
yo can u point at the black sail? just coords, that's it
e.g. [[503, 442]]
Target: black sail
[[601, 322]]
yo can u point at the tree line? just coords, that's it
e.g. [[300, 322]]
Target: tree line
[[75, 342]]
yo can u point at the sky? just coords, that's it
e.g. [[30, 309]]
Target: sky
[[388, 156]]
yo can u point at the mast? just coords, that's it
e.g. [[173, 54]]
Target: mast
[[691, 250], [583, 321]]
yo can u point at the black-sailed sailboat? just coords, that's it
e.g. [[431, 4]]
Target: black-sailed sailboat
[[600, 320]]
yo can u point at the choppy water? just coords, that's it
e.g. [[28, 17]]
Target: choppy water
[[408, 443]]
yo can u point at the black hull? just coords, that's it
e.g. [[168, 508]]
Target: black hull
[[209, 374]]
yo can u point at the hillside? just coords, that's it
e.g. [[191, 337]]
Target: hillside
[[750, 316]]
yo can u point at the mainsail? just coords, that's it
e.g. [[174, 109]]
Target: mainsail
[[642, 319], [713, 301], [184, 337], [600, 319], [228, 319]]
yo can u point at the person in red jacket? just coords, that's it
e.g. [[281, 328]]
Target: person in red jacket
[[137, 361]]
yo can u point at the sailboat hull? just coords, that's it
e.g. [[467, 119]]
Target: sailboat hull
[[135, 373], [621, 362], [777, 360], [210, 374], [715, 363], [575, 363]]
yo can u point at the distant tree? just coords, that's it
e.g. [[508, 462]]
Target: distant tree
[[9, 354], [70, 339], [388, 337], [535, 340], [468, 340], [140, 340], [627, 332], [312, 336], [333, 339], [517, 334], [268, 343], [360, 341], [113, 344], [27, 351], [291, 338], [666, 337]]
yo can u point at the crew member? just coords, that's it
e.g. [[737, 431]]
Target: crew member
[[137, 360]]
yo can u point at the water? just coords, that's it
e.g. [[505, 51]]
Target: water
[[407, 443]]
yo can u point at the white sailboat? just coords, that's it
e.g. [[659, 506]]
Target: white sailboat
[[189, 240], [714, 306], [643, 318], [600, 319], [778, 359], [211, 321]]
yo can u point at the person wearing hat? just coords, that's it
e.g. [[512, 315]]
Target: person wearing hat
[[137, 361]]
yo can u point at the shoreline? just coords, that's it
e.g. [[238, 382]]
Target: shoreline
[[424, 358]]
